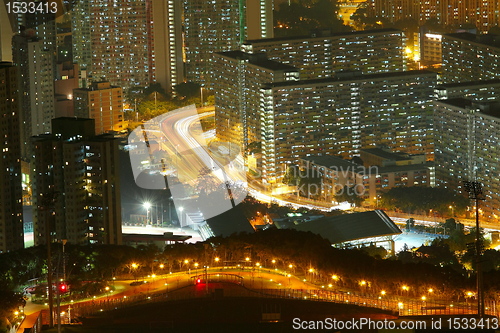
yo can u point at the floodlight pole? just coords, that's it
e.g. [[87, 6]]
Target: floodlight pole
[[475, 191]]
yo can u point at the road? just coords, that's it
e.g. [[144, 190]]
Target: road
[[180, 135], [256, 279]]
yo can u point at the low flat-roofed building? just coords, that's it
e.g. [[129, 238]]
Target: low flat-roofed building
[[384, 157], [355, 230], [159, 240], [228, 223]]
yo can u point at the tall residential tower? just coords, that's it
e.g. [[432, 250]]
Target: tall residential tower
[[11, 206]]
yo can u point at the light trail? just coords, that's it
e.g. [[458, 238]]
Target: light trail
[[183, 129]]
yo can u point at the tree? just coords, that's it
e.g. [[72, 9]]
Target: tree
[[255, 147], [494, 31], [350, 194], [154, 87], [187, 89]]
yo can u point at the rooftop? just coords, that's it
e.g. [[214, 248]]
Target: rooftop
[[333, 162], [468, 84], [257, 59], [4, 64], [385, 154], [350, 227], [457, 102], [354, 77], [487, 40], [230, 222], [403, 168], [322, 36]]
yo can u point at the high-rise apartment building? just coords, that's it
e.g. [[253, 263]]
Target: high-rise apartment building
[[6, 33], [35, 66], [322, 53], [481, 13], [121, 42], [80, 169], [238, 77], [259, 18], [468, 150], [479, 91], [221, 26], [467, 57], [128, 43], [101, 102], [210, 26], [341, 115], [11, 206], [168, 43], [80, 37]]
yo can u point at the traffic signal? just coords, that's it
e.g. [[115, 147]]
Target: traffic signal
[[63, 288]]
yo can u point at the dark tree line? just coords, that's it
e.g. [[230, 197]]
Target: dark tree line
[[423, 199], [300, 17]]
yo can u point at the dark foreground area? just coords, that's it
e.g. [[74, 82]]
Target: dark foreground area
[[238, 314]]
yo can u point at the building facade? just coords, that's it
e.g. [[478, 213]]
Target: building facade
[[341, 115], [259, 18], [36, 82], [101, 102], [221, 26], [168, 43], [467, 57], [11, 195], [466, 141], [324, 53], [238, 76], [80, 171], [211, 26], [367, 182], [144, 48], [481, 13]]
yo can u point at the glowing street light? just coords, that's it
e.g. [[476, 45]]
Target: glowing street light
[[180, 217], [335, 277], [147, 205], [382, 292], [430, 290]]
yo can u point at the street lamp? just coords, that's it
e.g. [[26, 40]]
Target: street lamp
[[147, 205], [201, 92], [476, 192], [452, 211]]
